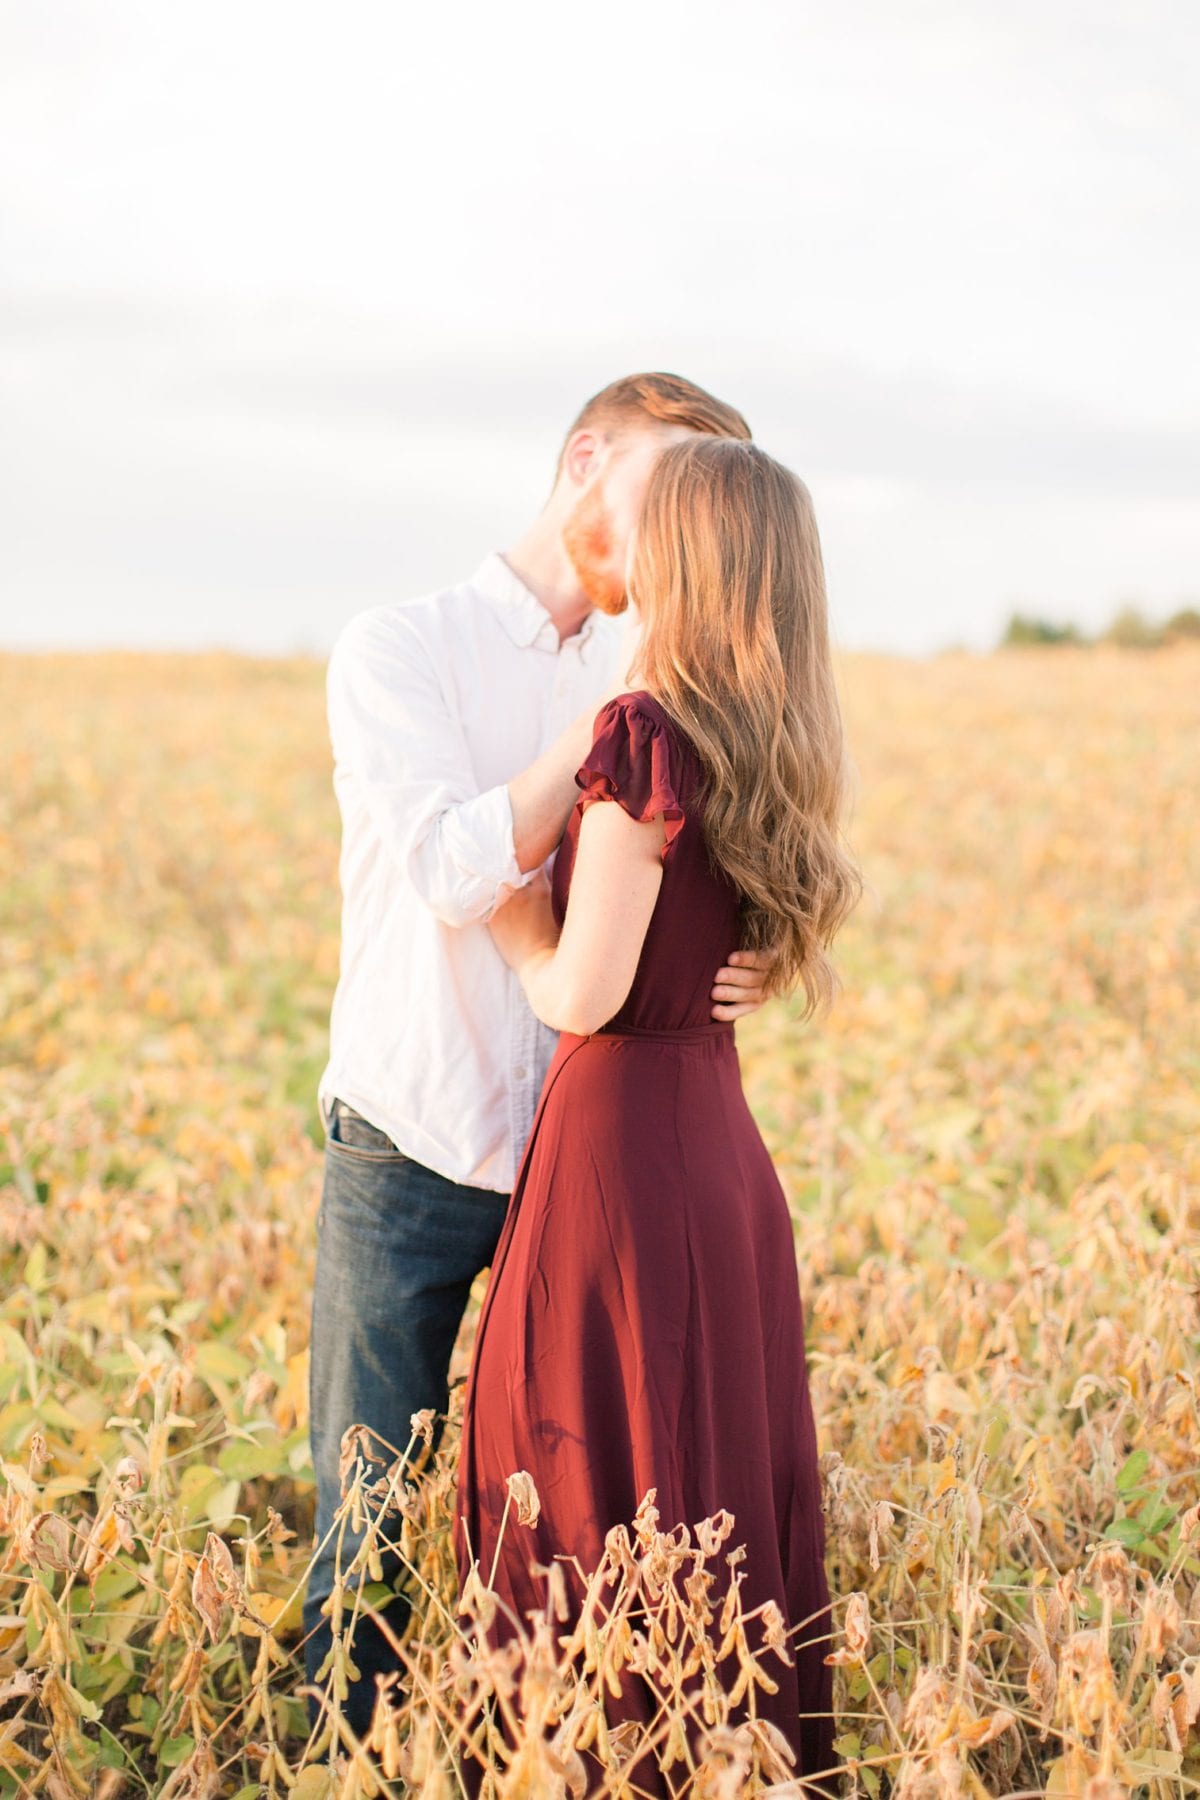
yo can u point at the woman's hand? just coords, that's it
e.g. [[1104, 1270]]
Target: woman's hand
[[524, 926]]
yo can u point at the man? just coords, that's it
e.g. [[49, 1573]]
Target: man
[[458, 721]]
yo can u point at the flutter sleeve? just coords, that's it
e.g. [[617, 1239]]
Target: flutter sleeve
[[631, 762]]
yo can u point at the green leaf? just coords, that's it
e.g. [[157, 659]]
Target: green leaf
[[176, 1750], [379, 1594], [111, 1584], [245, 1461], [87, 1709], [994, 1437], [1132, 1470], [1126, 1531], [53, 1412], [222, 1505], [197, 1484]]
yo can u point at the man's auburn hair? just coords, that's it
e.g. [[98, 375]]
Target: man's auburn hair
[[638, 400]]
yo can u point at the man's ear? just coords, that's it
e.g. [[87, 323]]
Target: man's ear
[[579, 456]]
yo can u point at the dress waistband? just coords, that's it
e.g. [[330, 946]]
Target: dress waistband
[[684, 1034]]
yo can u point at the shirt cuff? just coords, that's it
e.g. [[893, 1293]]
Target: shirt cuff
[[479, 837]]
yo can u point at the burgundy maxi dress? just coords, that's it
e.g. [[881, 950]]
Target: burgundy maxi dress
[[643, 1326]]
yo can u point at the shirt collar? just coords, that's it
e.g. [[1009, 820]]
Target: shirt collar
[[521, 612]]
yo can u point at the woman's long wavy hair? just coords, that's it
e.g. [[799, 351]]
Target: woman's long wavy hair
[[728, 577]]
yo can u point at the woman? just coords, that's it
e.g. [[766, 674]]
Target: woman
[[643, 1324]]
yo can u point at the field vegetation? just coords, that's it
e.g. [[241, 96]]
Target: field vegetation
[[992, 1149]]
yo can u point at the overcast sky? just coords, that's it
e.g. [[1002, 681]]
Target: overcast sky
[[296, 302]]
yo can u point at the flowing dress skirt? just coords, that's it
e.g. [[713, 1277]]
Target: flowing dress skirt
[[642, 1329]]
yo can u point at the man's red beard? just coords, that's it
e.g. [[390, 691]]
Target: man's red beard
[[587, 536]]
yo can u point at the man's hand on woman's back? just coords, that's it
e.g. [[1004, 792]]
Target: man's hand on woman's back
[[740, 987]]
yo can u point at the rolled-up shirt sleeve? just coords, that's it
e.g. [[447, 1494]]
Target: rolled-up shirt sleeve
[[398, 744]]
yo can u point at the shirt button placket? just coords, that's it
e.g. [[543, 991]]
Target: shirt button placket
[[525, 1045], [522, 1079]]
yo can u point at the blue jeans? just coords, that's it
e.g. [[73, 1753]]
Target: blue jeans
[[398, 1248]]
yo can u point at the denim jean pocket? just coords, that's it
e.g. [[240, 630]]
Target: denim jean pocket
[[350, 1132]]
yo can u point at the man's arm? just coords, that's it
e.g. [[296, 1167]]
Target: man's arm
[[464, 851], [543, 795]]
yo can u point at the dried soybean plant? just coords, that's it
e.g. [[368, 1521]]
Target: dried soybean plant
[[527, 1711]]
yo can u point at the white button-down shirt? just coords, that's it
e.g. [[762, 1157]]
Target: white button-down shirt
[[434, 705]]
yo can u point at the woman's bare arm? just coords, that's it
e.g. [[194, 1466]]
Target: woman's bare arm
[[576, 982]]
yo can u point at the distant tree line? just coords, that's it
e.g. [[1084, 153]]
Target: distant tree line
[[1131, 629]]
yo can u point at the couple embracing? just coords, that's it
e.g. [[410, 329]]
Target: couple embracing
[[537, 1071]]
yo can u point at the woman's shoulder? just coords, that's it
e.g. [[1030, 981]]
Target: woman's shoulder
[[640, 758], [642, 700], [655, 721], [641, 704], [633, 728]]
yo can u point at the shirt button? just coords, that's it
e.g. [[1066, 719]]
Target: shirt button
[[521, 1071]]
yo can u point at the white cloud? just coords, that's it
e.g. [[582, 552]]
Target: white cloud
[[299, 302]]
